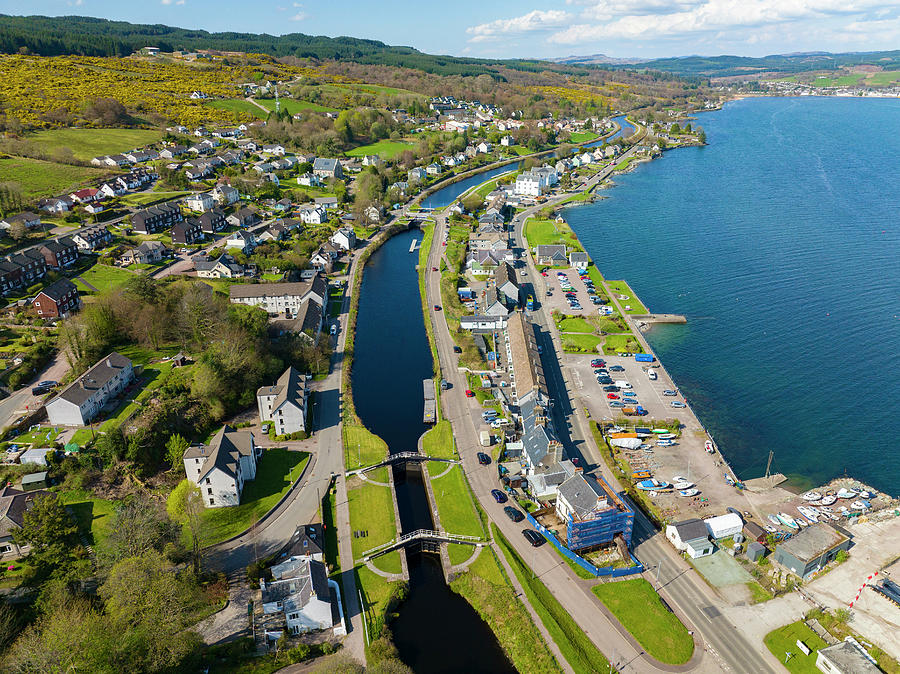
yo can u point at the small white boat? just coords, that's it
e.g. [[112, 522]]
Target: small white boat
[[846, 493], [709, 447], [824, 509], [788, 521], [682, 484], [774, 520], [666, 436], [809, 513], [802, 522], [665, 443], [828, 499], [688, 492], [859, 505], [812, 496], [833, 517], [770, 528], [864, 494], [616, 429]]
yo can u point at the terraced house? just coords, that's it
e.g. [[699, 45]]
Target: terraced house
[[59, 253], [156, 218], [93, 238], [81, 400], [21, 270]]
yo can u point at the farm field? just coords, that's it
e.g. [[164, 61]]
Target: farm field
[[237, 106], [39, 178], [386, 149], [89, 143]]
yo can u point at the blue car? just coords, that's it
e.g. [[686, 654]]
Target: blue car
[[499, 496]]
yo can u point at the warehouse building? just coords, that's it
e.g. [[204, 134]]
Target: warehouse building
[[811, 549]]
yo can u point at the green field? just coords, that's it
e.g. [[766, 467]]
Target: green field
[[103, 278], [292, 106], [453, 502], [842, 81], [89, 143], [547, 232], [277, 470], [238, 106], [39, 178], [637, 606], [583, 136], [620, 344], [386, 149], [884, 78], [621, 289], [782, 641], [438, 441]]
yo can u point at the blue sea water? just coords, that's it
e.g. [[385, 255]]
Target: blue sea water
[[780, 242]]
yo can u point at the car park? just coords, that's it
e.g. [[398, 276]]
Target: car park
[[499, 496], [677, 404], [483, 458], [533, 537], [514, 514]]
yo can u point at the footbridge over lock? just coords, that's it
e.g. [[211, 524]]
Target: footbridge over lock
[[399, 458], [421, 536]]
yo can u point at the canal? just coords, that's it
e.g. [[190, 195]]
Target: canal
[[436, 630]]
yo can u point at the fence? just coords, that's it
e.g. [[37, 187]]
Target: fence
[[581, 561]]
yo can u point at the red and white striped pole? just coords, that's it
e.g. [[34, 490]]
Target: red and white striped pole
[[862, 587]]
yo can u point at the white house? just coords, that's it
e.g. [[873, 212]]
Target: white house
[[244, 241], [225, 194], [80, 401], [277, 298], [344, 238], [309, 180], [221, 468], [301, 591], [529, 184], [690, 536], [313, 215], [284, 403], [507, 141], [200, 202]]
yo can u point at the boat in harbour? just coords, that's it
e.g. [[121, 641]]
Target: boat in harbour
[[809, 513], [846, 493], [688, 492], [709, 447], [812, 496], [788, 521]]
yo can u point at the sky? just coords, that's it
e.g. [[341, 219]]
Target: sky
[[524, 28]]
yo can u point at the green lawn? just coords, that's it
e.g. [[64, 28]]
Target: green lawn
[[487, 589], [386, 149], [376, 593], [782, 641], [621, 343], [292, 106], [577, 648], [582, 136], [637, 606], [438, 441], [372, 511], [238, 106], [103, 278], [83, 437], [42, 437], [454, 504], [94, 515], [541, 232], [362, 447], [144, 199], [884, 78], [620, 288], [276, 471], [39, 178], [574, 324], [580, 343], [89, 143]]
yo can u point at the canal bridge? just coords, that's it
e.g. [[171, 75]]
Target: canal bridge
[[398, 458], [423, 536]]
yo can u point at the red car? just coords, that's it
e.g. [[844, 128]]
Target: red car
[[543, 273], [434, 269], [437, 307], [612, 396], [470, 393]]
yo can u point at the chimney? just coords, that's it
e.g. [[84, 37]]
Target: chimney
[[108, 362]]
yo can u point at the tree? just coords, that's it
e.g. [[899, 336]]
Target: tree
[[50, 532], [175, 449], [473, 202], [17, 230], [139, 525], [701, 135], [186, 506]]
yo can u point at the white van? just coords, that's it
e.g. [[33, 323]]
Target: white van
[[651, 375], [622, 384]]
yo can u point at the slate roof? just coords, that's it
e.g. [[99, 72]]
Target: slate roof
[[290, 387], [309, 539], [505, 274], [296, 581], [691, 530], [812, 542], [224, 451], [94, 379], [583, 492], [58, 289], [301, 288], [14, 503]]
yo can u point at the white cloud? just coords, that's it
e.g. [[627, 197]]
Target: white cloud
[[635, 20], [299, 16], [533, 21]]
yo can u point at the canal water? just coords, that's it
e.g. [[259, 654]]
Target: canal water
[[625, 130], [436, 630]]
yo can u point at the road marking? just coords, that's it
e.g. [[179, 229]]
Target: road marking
[[711, 612]]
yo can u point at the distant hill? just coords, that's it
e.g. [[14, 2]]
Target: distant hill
[[598, 59], [88, 36], [730, 66]]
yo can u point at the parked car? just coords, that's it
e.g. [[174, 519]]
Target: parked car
[[617, 368], [598, 362], [670, 392], [612, 396], [470, 393], [48, 383], [483, 459], [612, 388], [457, 349], [434, 269], [437, 307], [499, 496], [40, 390], [677, 404], [514, 514], [616, 404], [533, 537]]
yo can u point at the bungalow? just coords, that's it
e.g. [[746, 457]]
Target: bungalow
[[225, 195], [243, 241], [56, 204], [85, 195], [551, 254], [221, 468], [57, 300], [285, 402], [60, 252], [579, 260], [92, 238], [26, 218], [95, 207], [328, 203], [212, 221], [328, 168], [81, 400], [275, 232], [244, 217], [187, 232]]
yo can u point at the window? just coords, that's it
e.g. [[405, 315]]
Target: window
[[207, 481], [209, 491], [212, 501]]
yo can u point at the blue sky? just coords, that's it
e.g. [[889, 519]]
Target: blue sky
[[503, 28]]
